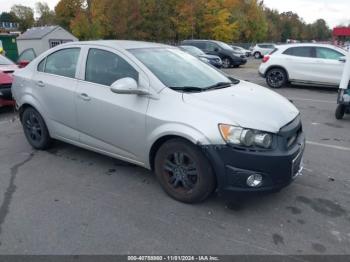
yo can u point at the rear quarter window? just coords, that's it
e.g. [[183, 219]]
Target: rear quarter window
[[305, 51]]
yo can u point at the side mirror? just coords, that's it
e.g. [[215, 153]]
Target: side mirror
[[216, 49], [128, 86], [342, 59], [23, 63]]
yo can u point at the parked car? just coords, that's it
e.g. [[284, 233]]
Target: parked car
[[163, 109], [26, 57], [5, 90], [260, 50], [315, 64], [211, 59], [7, 67], [224, 51], [242, 50]]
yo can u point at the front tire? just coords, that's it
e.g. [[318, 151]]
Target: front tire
[[184, 172], [35, 129], [276, 78], [340, 112]]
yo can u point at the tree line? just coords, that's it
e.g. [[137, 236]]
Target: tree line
[[171, 20]]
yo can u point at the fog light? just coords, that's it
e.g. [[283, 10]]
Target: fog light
[[254, 180]]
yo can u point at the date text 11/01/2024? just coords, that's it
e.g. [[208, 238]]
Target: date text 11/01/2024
[[173, 258]]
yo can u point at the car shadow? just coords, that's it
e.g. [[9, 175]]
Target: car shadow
[[322, 89], [110, 166]]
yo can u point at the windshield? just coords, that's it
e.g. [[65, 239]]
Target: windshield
[[177, 69], [5, 61], [193, 50], [224, 46]]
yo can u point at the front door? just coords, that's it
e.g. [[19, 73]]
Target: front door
[[109, 122], [329, 68]]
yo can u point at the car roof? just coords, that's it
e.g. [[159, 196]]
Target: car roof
[[201, 40], [285, 46], [120, 44]]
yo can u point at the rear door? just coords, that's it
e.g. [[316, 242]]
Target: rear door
[[110, 122], [329, 68], [55, 85], [300, 63]]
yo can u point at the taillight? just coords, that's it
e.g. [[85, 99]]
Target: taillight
[[266, 58]]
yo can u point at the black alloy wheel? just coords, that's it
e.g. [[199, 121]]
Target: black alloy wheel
[[35, 129], [184, 172], [276, 78]]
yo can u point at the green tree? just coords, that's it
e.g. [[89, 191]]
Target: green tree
[[25, 16], [67, 10], [8, 17], [46, 16]]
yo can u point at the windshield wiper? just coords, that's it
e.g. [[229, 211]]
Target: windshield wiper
[[219, 85], [187, 88], [234, 80]]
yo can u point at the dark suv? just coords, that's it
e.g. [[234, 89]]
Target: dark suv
[[224, 51]]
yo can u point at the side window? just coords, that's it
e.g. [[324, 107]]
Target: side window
[[211, 47], [306, 51], [327, 53], [103, 67], [200, 45], [41, 65], [63, 62], [27, 55]]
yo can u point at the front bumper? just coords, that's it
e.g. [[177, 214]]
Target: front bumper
[[217, 64], [278, 167]]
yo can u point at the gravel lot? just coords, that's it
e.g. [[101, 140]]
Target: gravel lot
[[72, 201]]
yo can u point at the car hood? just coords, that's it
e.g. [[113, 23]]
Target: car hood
[[5, 78], [246, 105], [210, 56]]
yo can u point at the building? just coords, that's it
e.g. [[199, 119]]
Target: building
[[40, 39], [341, 36], [8, 26]]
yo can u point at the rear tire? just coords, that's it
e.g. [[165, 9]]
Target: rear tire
[[35, 129], [226, 63], [340, 112], [184, 172], [276, 78]]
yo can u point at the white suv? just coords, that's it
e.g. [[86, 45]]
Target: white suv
[[260, 50], [311, 64]]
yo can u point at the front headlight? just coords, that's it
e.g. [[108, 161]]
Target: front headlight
[[204, 59], [245, 137]]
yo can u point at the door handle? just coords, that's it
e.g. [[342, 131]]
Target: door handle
[[84, 97], [40, 84]]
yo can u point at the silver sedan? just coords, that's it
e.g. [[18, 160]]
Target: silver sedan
[[157, 107]]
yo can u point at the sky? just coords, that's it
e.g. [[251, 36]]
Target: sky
[[335, 12]]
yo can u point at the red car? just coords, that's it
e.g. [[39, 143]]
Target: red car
[[7, 67]]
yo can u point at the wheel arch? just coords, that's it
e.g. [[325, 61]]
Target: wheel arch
[[167, 132], [279, 67]]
